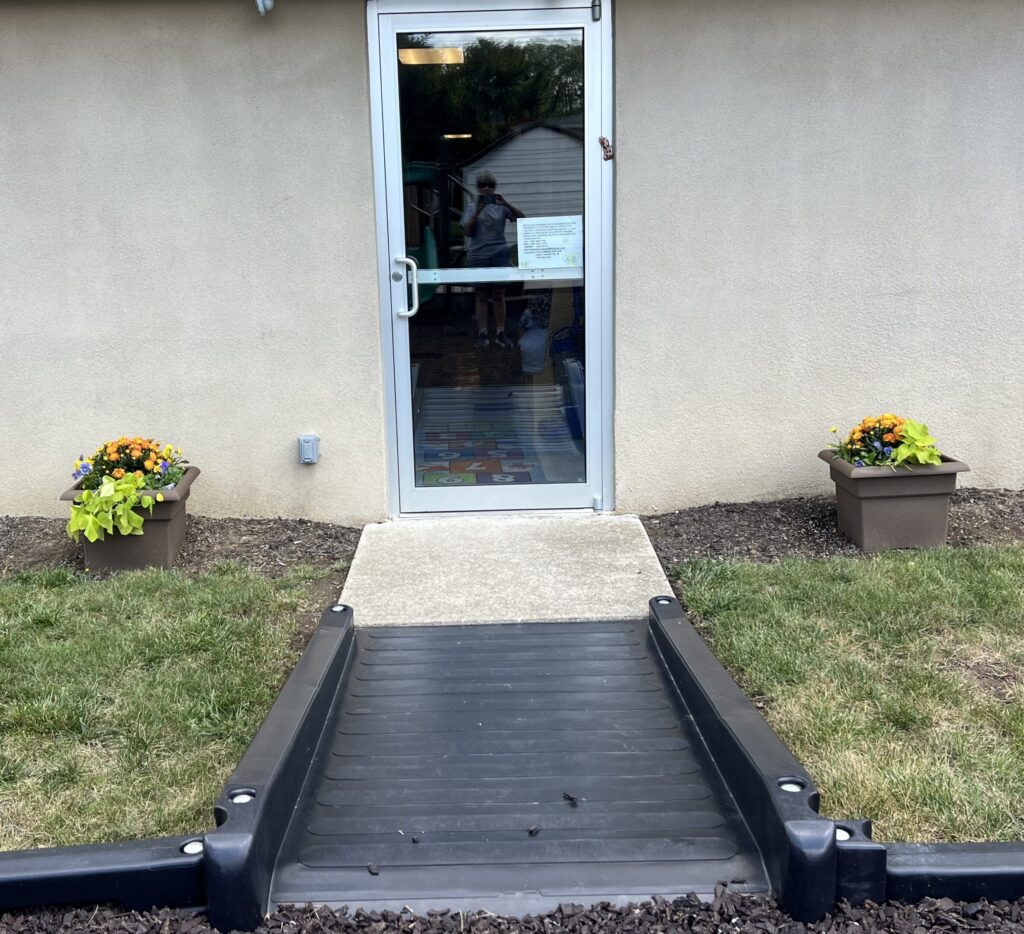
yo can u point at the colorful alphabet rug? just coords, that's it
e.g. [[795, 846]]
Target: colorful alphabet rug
[[495, 434]]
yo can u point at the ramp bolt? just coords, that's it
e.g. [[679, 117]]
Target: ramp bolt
[[664, 601], [339, 608], [791, 784], [241, 795], [842, 833], [192, 848]]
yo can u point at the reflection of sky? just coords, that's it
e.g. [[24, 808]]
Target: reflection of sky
[[518, 36]]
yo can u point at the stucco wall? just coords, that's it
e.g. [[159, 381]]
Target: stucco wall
[[188, 250], [820, 216]]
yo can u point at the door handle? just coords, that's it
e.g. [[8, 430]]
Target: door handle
[[414, 275]]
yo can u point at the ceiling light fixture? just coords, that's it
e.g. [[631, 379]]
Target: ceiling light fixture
[[440, 56]]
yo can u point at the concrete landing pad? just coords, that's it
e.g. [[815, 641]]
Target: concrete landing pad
[[503, 569]]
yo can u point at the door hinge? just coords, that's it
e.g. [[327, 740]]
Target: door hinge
[[595, 10]]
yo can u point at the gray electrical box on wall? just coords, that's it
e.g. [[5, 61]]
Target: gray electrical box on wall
[[309, 449]]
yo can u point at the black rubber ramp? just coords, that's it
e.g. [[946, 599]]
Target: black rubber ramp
[[510, 768]]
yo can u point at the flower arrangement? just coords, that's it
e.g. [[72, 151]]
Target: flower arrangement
[[888, 441], [109, 506], [158, 466]]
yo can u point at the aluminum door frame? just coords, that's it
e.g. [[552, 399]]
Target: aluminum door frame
[[385, 20]]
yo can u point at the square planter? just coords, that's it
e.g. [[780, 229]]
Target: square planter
[[163, 531], [884, 507]]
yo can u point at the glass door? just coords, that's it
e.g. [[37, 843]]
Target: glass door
[[492, 168]]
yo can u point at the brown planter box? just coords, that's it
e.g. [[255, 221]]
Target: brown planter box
[[162, 533], [904, 507]]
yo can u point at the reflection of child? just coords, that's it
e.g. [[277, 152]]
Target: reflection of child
[[484, 222], [533, 343]]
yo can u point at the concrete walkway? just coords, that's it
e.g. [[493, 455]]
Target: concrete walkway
[[500, 569]]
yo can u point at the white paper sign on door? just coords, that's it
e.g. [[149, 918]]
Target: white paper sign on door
[[550, 242]]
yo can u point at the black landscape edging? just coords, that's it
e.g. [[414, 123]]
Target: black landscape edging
[[961, 871], [136, 873], [797, 844], [240, 854]]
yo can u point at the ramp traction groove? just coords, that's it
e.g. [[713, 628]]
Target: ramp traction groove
[[525, 765]]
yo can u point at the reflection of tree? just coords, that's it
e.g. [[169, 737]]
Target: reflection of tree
[[498, 86]]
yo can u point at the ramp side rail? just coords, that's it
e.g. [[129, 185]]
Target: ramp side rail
[[256, 805], [774, 793]]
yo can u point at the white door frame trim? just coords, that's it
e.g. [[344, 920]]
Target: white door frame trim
[[604, 498]]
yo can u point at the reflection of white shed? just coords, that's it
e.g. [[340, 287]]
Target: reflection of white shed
[[539, 168]]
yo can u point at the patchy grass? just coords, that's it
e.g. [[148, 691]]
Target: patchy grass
[[126, 702], [898, 680]]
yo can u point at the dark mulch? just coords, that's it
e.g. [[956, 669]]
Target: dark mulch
[[728, 912], [806, 527], [265, 545]]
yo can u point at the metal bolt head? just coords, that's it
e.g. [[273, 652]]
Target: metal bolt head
[[397, 276], [792, 787], [338, 608], [842, 833], [241, 796], [192, 848]]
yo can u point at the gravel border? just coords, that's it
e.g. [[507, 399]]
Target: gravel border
[[727, 912]]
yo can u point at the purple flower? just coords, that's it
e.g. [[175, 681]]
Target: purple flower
[[164, 466], [887, 450], [878, 445], [858, 463]]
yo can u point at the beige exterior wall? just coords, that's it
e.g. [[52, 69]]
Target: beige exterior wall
[[820, 216], [187, 200]]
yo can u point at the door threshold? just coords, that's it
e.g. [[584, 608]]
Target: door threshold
[[493, 513]]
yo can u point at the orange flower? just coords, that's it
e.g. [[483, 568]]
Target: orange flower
[[888, 436], [139, 473], [149, 465], [114, 456], [117, 473]]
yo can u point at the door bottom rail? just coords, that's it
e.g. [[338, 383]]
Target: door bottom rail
[[291, 769]]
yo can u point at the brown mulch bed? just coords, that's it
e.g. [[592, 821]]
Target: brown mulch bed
[[265, 545], [806, 527], [728, 912]]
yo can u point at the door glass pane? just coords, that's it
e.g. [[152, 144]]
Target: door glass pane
[[507, 104], [493, 195], [505, 412]]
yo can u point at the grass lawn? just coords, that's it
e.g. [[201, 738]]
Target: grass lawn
[[897, 680], [126, 702]]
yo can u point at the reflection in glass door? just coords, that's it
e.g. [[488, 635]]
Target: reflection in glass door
[[488, 230]]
